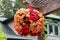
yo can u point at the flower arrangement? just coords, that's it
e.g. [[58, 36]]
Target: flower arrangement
[[28, 22]]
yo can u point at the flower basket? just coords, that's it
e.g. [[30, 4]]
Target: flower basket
[[29, 22]]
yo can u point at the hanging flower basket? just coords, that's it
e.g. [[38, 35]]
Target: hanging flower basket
[[28, 22]]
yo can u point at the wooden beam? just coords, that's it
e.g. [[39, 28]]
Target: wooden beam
[[57, 10]]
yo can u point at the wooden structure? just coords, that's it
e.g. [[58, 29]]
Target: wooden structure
[[46, 7]]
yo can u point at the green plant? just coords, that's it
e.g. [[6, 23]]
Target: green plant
[[2, 34], [9, 7]]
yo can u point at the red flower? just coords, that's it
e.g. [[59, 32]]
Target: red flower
[[32, 12], [34, 15], [25, 28], [34, 34], [33, 18], [24, 34]]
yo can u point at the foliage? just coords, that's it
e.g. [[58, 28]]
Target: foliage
[[9, 7], [2, 35]]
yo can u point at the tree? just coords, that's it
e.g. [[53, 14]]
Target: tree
[[7, 8]]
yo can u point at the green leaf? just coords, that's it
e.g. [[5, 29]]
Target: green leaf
[[45, 36], [45, 23], [45, 29]]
